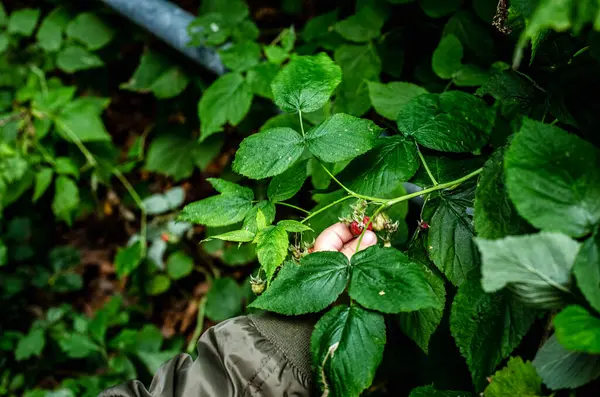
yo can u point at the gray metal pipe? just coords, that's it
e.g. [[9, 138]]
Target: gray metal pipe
[[169, 23]]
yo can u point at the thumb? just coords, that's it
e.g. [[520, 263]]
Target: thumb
[[368, 240]]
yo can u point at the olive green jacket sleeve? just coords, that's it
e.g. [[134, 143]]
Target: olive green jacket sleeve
[[258, 355]]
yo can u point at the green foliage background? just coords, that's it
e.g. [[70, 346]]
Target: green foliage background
[[116, 252]]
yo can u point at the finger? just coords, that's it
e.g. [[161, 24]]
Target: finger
[[333, 238], [368, 240]]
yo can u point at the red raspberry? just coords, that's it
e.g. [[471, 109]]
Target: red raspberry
[[355, 228], [366, 220], [164, 237], [423, 225]]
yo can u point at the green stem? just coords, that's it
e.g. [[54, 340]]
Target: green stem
[[326, 208], [381, 207], [352, 193], [301, 123], [292, 206], [435, 183], [448, 85], [199, 325]]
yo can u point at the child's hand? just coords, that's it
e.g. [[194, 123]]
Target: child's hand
[[338, 237]]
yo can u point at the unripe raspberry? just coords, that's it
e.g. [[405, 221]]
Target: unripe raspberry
[[380, 222]]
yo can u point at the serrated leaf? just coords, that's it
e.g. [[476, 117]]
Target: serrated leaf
[[271, 247], [558, 195], [89, 29], [267, 209], [285, 185], [587, 270], [259, 78], [227, 100], [293, 226], [380, 171], [23, 21], [306, 288], [447, 57], [225, 209], [31, 345], [179, 265], [518, 378], [450, 237], [386, 280], [81, 118], [74, 58], [537, 267], [578, 330], [43, 179], [388, 99], [241, 57], [560, 368], [66, 199], [487, 328], [495, 215], [128, 259], [224, 300], [342, 137], [239, 236], [306, 83], [453, 121], [50, 33], [268, 153], [347, 346]]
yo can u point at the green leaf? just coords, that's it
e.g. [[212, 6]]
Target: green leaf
[[43, 179], [347, 346], [268, 153], [66, 166], [31, 345], [386, 280], [77, 345], [420, 325], [224, 300], [175, 153], [446, 169], [511, 88], [518, 378], [475, 37], [470, 76], [453, 121], [54, 99], [226, 209], [272, 248], [128, 259], [439, 8], [227, 100], [179, 265], [160, 203], [241, 57], [559, 195], [74, 58], [587, 270], [381, 170], [495, 215], [293, 226], [267, 209], [388, 99], [23, 21], [259, 78], [537, 267], [239, 236], [306, 288], [578, 330], [447, 57], [3, 254], [319, 26], [158, 284], [306, 83], [81, 119], [430, 391], [361, 27], [560, 368], [89, 29], [285, 185], [360, 64], [50, 34], [450, 236], [342, 137], [487, 328], [66, 199]]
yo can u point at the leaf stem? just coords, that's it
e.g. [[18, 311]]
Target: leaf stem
[[292, 206], [199, 325], [301, 123], [326, 207], [350, 192], [362, 234], [435, 183]]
